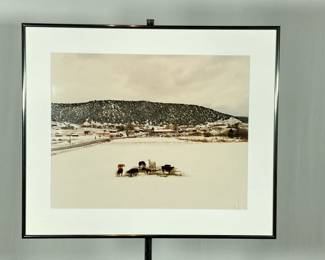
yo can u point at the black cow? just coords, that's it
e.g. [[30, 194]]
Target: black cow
[[133, 172], [142, 165], [167, 168]]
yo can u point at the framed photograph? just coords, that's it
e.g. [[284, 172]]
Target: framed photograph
[[149, 131]]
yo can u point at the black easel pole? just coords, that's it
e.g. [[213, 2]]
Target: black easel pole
[[150, 22], [148, 248], [148, 240]]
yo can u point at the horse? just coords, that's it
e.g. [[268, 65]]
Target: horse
[[152, 165], [120, 169]]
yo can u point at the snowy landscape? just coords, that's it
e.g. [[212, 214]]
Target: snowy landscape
[[215, 175], [208, 159], [149, 131]]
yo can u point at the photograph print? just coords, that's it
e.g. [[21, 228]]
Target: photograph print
[[142, 131]]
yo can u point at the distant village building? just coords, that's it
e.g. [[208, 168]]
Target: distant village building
[[163, 130], [86, 124], [112, 130], [96, 124]]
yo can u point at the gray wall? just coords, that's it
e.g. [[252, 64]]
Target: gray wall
[[301, 174]]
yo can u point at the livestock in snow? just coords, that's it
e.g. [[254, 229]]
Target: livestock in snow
[[120, 169], [167, 168], [133, 172]]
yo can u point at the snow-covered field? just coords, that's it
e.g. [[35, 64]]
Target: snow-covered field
[[215, 175]]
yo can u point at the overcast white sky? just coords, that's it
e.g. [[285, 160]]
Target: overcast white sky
[[218, 82]]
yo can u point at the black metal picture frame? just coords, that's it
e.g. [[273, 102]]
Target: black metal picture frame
[[149, 26]]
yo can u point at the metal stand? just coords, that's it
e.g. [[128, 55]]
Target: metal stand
[[148, 248], [150, 22], [148, 240]]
